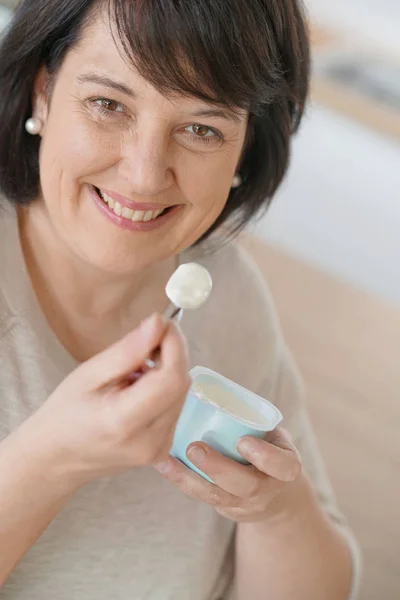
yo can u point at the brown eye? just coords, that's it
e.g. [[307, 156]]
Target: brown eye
[[202, 131], [107, 105]]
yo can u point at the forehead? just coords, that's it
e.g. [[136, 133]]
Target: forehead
[[97, 44]]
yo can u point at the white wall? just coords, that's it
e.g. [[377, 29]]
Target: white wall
[[376, 20], [339, 207], [5, 15]]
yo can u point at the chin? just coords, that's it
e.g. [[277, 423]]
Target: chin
[[122, 263]]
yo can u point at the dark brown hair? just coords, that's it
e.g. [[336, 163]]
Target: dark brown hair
[[249, 54]]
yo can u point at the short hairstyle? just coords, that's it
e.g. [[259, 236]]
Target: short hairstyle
[[246, 54]]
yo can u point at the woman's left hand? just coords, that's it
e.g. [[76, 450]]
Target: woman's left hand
[[241, 493]]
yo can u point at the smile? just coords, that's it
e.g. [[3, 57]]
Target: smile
[[137, 216], [129, 215]]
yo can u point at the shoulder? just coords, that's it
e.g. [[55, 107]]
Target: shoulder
[[8, 317], [235, 273], [238, 328], [239, 284]]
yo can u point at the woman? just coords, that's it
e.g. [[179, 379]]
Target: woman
[[130, 132]]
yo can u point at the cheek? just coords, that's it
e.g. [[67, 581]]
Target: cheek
[[206, 205], [73, 150], [207, 184]]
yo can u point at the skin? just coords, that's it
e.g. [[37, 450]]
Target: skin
[[83, 269]]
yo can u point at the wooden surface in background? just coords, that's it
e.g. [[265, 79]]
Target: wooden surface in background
[[347, 345]]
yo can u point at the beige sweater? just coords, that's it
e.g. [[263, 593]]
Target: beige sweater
[[135, 536]]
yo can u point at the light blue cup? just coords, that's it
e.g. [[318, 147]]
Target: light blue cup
[[202, 421]]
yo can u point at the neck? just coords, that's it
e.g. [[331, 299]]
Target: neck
[[87, 308]]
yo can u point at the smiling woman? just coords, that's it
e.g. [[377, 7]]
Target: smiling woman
[[131, 131]]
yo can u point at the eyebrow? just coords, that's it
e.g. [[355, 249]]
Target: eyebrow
[[228, 114], [219, 113], [108, 82]]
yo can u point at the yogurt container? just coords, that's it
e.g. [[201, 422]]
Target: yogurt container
[[219, 412]]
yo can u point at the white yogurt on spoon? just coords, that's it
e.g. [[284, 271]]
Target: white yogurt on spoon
[[189, 287]]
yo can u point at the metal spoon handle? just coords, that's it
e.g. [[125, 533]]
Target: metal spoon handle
[[172, 313]]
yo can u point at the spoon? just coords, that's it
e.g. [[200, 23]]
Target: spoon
[[188, 289]]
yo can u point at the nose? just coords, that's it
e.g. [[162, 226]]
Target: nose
[[145, 163]]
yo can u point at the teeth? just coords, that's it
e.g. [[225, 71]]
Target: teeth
[[137, 216], [127, 213], [140, 215]]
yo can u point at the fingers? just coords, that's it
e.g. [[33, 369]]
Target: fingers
[[277, 457], [174, 352], [125, 356], [237, 479], [242, 493], [161, 389], [278, 462], [194, 486]]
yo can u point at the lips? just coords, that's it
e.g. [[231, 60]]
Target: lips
[[130, 212], [130, 215]]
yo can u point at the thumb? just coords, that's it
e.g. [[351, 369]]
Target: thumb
[[124, 356]]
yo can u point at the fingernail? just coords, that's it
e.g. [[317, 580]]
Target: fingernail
[[197, 455], [246, 447], [163, 468]]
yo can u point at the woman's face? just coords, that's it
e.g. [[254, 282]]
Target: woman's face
[[115, 152]]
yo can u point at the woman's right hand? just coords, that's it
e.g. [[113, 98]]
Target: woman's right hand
[[97, 423]]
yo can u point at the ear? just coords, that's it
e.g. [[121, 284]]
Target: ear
[[40, 97]]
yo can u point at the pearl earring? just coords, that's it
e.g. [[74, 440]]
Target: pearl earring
[[237, 181], [33, 126]]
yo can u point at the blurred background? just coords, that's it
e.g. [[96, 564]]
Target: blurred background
[[340, 207], [330, 250]]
